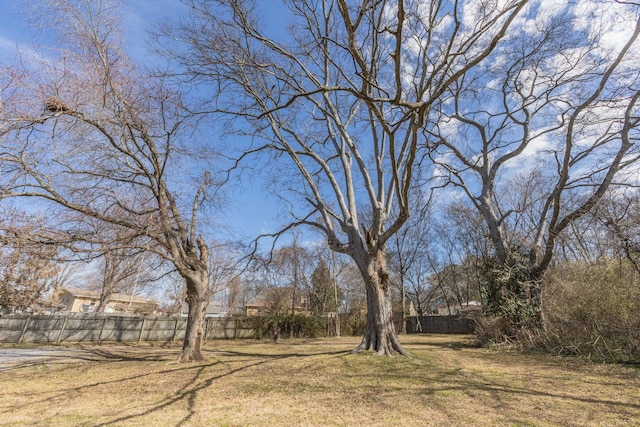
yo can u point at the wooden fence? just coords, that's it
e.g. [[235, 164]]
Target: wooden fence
[[58, 329], [440, 325]]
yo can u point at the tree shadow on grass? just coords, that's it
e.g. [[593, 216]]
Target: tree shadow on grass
[[501, 392], [198, 377], [53, 355], [103, 354], [283, 355], [187, 393], [191, 389], [454, 342], [82, 356]]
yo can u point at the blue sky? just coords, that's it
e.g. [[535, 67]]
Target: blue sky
[[250, 211]]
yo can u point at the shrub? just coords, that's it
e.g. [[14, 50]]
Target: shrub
[[354, 324], [511, 301], [287, 325], [593, 311]]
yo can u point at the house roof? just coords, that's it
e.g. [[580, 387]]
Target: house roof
[[83, 293]]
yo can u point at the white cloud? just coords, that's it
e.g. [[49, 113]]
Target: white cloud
[[534, 152], [7, 49]]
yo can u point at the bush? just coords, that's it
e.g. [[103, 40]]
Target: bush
[[510, 294], [287, 325], [511, 309], [590, 311], [354, 324], [306, 326], [593, 311]]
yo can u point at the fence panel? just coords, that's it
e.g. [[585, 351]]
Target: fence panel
[[440, 325], [55, 329], [159, 329], [11, 328], [42, 329], [81, 329], [122, 329], [58, 329], [245, 328]]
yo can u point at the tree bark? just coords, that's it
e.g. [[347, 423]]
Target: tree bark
[[196, 274], [197, 300], [380, 334]]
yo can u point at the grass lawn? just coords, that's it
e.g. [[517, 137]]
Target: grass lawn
[[317, 382]]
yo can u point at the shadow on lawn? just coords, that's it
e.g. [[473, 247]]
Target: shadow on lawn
[[198, 378], [66, 355], [187, 392], [502, 393], [103, 354], [190, 390], [451, 343], [198, 382], [276, 356]]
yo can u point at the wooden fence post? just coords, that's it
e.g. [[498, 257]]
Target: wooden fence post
[[104, 321], [235, 328], [144, 319], [175, 330], [64, 325], [26, 325]]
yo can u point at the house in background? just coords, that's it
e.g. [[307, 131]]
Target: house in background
[[454, 308], [83, 301], [410, 308], [256, 308], [214, 309]]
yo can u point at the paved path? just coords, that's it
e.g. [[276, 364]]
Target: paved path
[[11, 358]]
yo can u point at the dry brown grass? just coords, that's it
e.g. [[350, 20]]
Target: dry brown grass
[[316, 382]]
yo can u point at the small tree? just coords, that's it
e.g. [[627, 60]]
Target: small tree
[[324, 295]]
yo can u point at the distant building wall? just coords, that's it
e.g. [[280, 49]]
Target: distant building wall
[[83, 301]]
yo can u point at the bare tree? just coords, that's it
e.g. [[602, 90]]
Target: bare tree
[[234, 295], [620, 215], [224, 273], [174, 295], [410, 249], [283, 275], [87, 131], [340, 103], [121, 265], [27, 270], [559, 104], [324, 293]]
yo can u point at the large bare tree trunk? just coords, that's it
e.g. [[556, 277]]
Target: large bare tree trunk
[[198, 300], [380, 334], [198, 295]]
